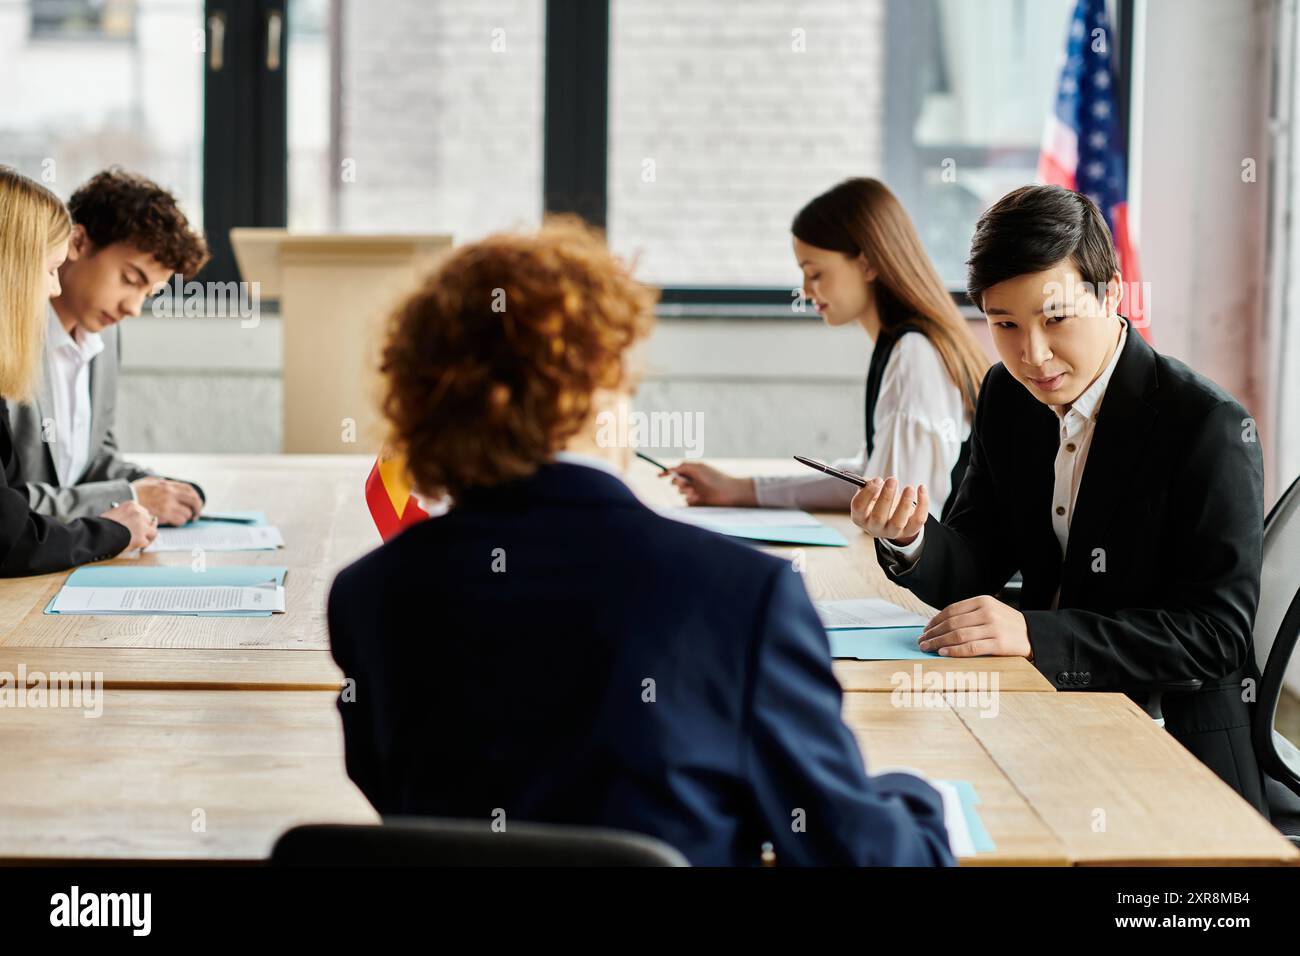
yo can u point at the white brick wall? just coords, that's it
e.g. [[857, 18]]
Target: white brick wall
[[445, 133], [742, 130]]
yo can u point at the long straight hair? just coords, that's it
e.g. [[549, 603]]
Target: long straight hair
[[861, 216], [32, 222]]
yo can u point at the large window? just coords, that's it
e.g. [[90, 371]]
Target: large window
[[415, 117], [970, 86], [725, 118], [693, 130], [88, 85]]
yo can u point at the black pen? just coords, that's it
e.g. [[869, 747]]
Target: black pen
[[833, 472], [644, 457]]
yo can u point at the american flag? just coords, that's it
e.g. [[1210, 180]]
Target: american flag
[[1083, 146]]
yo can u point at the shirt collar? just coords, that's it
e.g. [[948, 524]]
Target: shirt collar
[[590, 461], [85, 344], [1088, 403]]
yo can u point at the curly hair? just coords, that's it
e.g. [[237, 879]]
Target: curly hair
[[119, 206], [490, 367]]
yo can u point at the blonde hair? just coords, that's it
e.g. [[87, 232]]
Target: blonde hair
[[32, 222]]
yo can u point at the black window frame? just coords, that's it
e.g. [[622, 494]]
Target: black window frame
[[245, 174]]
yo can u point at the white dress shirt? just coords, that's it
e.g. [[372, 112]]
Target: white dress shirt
[[1078, 422], [920, 424], [68, 360]]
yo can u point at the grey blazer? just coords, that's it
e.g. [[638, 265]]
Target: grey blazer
[[107, 478]]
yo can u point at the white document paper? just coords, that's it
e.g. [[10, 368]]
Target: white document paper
[[182, 600], [218, 537], [742, 517], [865, 613]]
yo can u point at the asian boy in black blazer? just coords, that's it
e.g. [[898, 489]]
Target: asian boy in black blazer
[[1126, 488]]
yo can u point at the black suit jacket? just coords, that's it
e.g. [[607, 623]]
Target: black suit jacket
[[553, 650], [35, 544], [1161, 579]]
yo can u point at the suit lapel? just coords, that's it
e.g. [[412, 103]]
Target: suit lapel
[[45, 406], [99, 381], [1119, 446]]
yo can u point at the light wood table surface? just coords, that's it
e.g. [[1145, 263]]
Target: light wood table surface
[[1117, 789], [200, 775], [172, 775], [317, 501], [1062, 778], [218, 775], [934, 741]]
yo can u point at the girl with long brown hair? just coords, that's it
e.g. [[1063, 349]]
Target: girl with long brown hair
[[863, 263]]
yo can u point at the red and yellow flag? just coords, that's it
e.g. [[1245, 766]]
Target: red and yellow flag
[[388, 495]]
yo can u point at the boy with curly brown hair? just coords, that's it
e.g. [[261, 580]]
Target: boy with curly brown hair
[[129, 238]]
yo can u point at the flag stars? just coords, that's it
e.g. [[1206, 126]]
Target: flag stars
[[1097, 140], [1101, 109], [1095, 170], [1101, 79]]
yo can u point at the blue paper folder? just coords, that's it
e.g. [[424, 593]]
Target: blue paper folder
[[179, 576], [978, 834], [879, 644], [818, 534]]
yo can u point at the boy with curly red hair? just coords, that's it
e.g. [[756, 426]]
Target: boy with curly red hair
[[552, 650]]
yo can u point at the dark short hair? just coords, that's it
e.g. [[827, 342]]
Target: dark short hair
[[118, 206], [1033, 228]]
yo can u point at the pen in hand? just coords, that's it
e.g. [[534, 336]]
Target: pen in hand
[[833, 472], [660, 465]]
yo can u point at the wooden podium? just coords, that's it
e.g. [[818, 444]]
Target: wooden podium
[[334, 292]]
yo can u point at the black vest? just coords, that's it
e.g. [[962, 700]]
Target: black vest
[[885, 343]]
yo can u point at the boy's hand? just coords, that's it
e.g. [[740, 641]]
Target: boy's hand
[[977, 626], [173, 502], [882, 512]]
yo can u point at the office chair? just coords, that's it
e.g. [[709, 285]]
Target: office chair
[[1277, 585], [412, 841], [1277, 626]]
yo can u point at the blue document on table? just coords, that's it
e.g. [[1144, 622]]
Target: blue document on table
[[879, 644], [154, 585], [777, 526], [789, 534], [979, 835]]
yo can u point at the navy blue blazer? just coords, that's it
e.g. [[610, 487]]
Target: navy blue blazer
[[553, 650]]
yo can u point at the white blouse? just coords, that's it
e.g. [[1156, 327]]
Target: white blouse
[[920, 424]]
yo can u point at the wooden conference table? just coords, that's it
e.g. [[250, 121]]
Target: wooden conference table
[[214, 735]]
